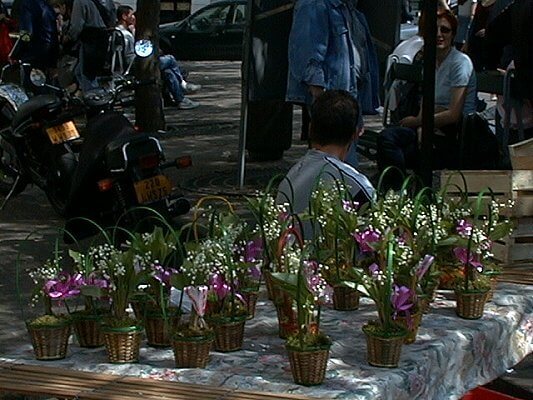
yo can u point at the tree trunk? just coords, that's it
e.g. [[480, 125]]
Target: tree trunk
[[148, 104]]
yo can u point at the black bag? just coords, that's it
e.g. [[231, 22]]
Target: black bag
[[478, 146]]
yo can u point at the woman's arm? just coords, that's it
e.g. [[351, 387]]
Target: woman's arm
[[453, 113]]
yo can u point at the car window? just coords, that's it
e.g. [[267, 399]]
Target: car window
[[209, 19], [239, 14]]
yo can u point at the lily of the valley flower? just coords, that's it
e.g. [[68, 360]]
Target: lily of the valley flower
[[464, 228], [374, 270], [350, 205], [366, 238], [424, 265], [315, 283], [471, 259], [64, 287]]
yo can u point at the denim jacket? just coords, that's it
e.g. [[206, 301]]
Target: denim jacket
[[321, 50]]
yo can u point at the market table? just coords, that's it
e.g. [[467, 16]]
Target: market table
[[450, 356]]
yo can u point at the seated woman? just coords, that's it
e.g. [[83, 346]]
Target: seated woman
[[455, 96]]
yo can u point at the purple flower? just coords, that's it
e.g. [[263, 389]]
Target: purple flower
[[464, 228], [401, 299], [64, 287], [93, 280], [255, 272], [471, 259], [373, 269], [350, 205], [162, 274], [366, 238], [219, 286], [253, 250], [424, 265]]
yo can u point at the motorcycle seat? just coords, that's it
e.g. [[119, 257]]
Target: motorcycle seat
[[27, 109]]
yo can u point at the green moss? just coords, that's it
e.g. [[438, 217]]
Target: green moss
[[373, 328], [49, 321], [308, 341]]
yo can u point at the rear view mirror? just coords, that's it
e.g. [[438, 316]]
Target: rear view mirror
[[37, 77]]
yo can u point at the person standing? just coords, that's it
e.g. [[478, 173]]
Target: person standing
[[465, 14], [38, 19], [330, 48], [126, 22], [7, 24]]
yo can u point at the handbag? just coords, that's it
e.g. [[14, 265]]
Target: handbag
[[478, 145]]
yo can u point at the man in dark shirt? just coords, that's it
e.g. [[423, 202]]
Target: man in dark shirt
[[38, 19]]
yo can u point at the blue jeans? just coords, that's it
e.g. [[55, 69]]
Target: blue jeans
[[170, 71]]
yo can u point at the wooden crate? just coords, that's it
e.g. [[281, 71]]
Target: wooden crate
[[522, 154], [514, 185]]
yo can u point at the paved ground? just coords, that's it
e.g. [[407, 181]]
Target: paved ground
[[209, 134]]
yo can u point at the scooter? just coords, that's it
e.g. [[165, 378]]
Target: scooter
[[109, 173]]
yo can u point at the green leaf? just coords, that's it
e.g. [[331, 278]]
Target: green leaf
[[179, 281], [92, 291], [76, 256], [501, 230]]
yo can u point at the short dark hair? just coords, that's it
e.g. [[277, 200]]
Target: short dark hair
[[334, 118], [121, 10]]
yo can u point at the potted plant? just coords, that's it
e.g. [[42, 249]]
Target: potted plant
[[212, 261], [49, 333], [248, 257], [473, 253], [93, 289], [308, 348], [122, 333], [156, 253], [334, 217], [385, 336], [192, 341]]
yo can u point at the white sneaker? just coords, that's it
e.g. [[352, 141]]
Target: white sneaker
[[190, 87], [187, 104]]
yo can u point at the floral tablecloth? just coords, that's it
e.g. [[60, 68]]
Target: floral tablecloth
[[450, 356]]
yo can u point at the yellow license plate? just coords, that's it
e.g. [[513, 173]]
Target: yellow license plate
[[61, 133], [152, 189]]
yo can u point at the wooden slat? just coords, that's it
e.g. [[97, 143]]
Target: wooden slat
[[499, 181], [522, 154], [52, 381]]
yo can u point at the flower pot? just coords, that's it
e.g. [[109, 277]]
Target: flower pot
[[345, 298], [49, 342], [470, 305], [192, 352], [229, 333], [251, 300], [411, 324], [308, 367], [123, 344], [383, 351], [158, 331], [88, 329]]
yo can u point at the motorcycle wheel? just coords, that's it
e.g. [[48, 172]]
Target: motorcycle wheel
[[9, 170]]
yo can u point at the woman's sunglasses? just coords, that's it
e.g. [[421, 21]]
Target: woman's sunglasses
[[444, 29]]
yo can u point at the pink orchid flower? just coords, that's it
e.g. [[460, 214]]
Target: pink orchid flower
[[424, 265], [401, 299], [198, 296], [219, 286], [366, 238], [471, 259], [464, 228], [64, 287]]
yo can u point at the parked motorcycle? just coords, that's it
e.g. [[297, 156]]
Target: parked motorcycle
[[107, 173]]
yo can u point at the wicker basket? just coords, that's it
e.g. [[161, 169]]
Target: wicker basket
[[192, 352], [251, 300], [229, 334], [383, 352], [88, 330], [345, 298], [470, 305], [122, 344], [308, 367], [49, 342], [158, 331], [411, 324]]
